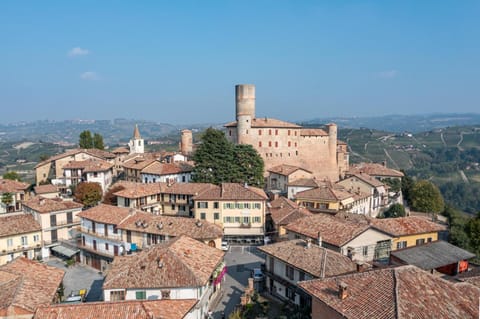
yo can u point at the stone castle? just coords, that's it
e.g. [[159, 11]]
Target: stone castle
[[280, 142]]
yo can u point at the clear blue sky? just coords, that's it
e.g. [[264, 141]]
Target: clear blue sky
[[178, 61]]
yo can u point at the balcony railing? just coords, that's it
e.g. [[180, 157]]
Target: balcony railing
[[89, 231], [20, 248], [95, 251]]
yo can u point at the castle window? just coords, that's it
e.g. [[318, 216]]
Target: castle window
[[295, 144], [269, 132], [259, 132], [276, 144], [289, 143], [295, 133], [270, 144], [288, 132], [230, 132], [260, 144], [246, 131], [296, 153], [276, 132], [288, 154]]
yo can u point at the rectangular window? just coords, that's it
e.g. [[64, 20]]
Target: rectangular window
[[429, 239], [106, 246], [269, 132], [237, 219], [141, 295], [36, 238], [365, 251], [9, 242], [289, 143], [24, 240], [216, 205], [276, 144], [216, 216], [288, 132], [289, 272], [256, 205], [420, 241], [301, 276], [129, 236], [245, 219], [269, 143], [117, 295], [276, 132], [401, 244], [69, 217], [53, 220], [94, 244], [259, 132], [54, 235], [105, 230], [257, 219], [93, 227], [202, 205], [260, 144], [202, 216], [290, 293]]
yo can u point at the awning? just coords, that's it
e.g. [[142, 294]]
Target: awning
[[65, 251]]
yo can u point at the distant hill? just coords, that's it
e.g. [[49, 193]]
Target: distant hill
[[402, 123]]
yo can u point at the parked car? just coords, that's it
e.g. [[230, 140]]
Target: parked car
[[257, 274], [225, 246]]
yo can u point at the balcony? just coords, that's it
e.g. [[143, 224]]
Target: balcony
[[245, 225], [19, 249], [110, 237], [90, 249]]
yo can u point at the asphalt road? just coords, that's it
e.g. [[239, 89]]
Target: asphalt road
[[240, 261]]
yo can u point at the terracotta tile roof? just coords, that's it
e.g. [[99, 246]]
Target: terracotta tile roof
[[306, 182], [106, 214], [317, 261], [403, 292], [181, 262], [367, 179], [323, 193], [90, 165], [48, 205], [403, 226], [284, 211], [18, 224], [45, 189], [137, 190], [93, 152], [335, 231], [139, 162], [172, 226], [120, 150], [266, 123], [431, 255], [132, 309], [374, 169], [27, 284], [10, 186], [339, 142], [471, 276], [313, 132], [285, 169], [136, 133], [158, 168], [232, 191]]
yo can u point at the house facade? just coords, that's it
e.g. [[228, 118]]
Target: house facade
[[57, 218], [280, 176], [239, 209], [92, 171], [167, 173], [183, 268], [20, 235], [12, 194]]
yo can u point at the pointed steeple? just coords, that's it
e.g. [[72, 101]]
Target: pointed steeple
[[136, 133]]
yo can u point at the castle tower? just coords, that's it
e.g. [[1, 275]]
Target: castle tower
[[136, 144], [186, 146], [245, 111], [332, 143]]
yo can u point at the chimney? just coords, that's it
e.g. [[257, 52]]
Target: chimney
[[342, 290], [319, 238], [384, 163], [308, 243]]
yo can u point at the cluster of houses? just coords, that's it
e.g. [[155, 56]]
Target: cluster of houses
[[160, 245]]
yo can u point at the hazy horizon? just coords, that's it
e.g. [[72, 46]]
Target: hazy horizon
[[178, 63]]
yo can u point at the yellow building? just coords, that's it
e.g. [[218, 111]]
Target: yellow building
[[20, 235], [325, 199], [239, 209], [57, 218], [408, 231]]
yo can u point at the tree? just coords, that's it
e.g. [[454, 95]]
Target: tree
[[426, 197], [98, 141], [110, 198], [249, 165], [396, 210], [407, 184], [7, 198], [87, 193], [86, 140], [217, 161], [12, 175]]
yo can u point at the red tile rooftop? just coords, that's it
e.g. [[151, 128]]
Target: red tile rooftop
[[402, 226], [403, 292], [286, 170], [133, 309], [10, 186], [48, 205], [18, 224], [106, 214]]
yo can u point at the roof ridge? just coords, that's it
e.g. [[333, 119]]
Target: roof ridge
[[395, 290]]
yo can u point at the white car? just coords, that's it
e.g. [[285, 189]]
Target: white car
[[225, 246]]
